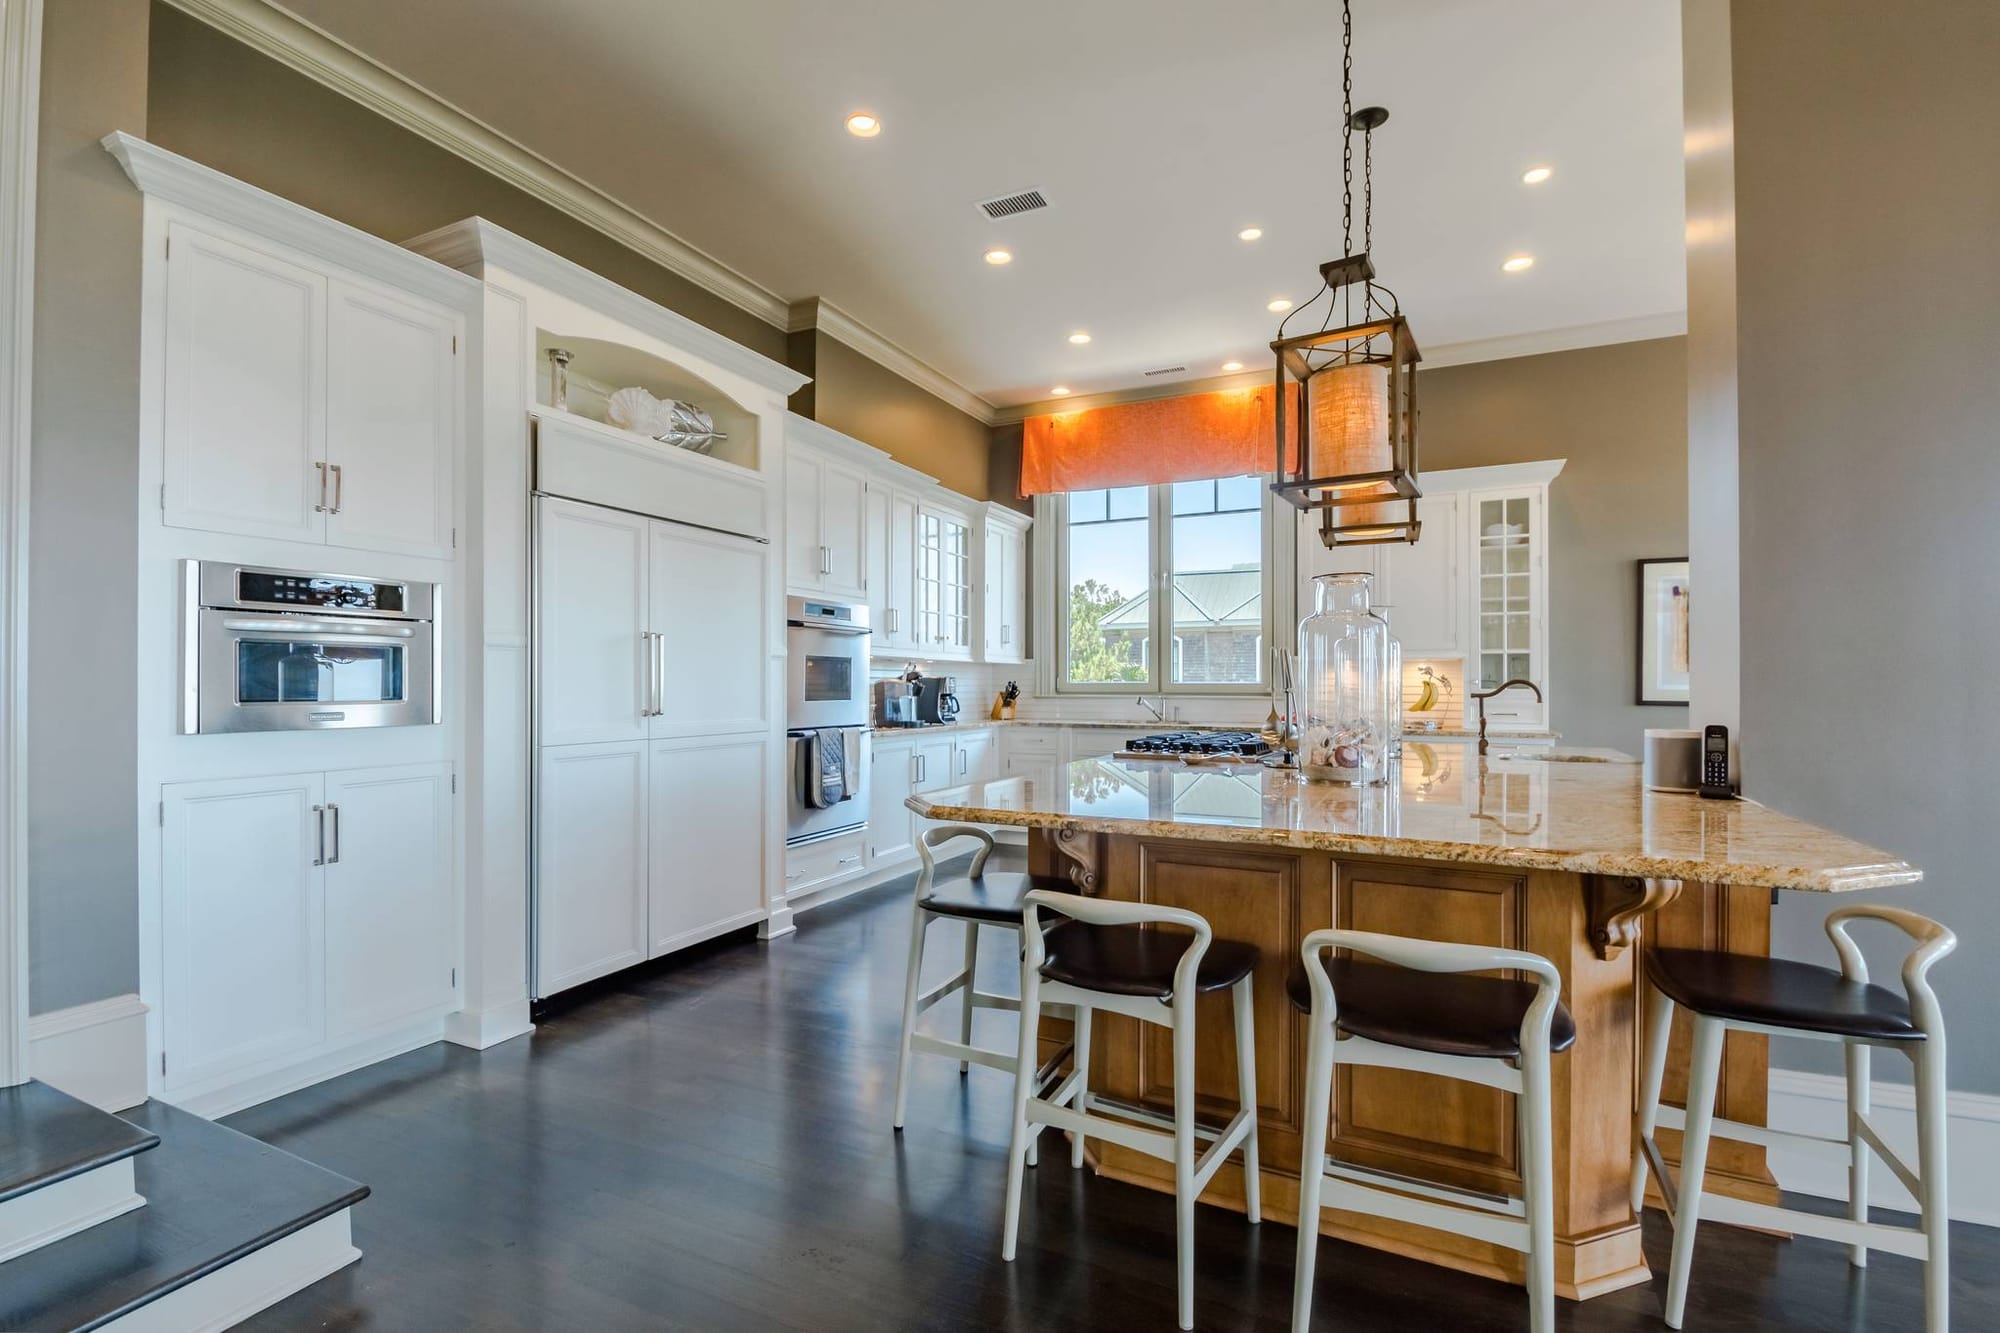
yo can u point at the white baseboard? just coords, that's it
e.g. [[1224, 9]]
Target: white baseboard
[[257, 1281], [95, 1052], [480, 1028], [212, 1099], [1817, 1104]]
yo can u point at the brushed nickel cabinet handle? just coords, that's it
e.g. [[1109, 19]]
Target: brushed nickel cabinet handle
[[319, 506], [339, 487], [334, 810], [319, 817]]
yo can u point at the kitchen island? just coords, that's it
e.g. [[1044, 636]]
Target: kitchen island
[[1566, 859]]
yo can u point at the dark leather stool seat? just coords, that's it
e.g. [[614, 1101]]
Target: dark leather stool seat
[[1138, 960], [1446, 1013], [993, 897], [1777, 992]]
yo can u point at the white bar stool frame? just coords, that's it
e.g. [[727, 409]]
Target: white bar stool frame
[[1526, 1224], [1686, 1204], [1069, 1107], [917, 1002]]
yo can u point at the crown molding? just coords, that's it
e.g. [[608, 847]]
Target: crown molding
[[474, 244], [167, 176], [326, 60], [818, 313], [1665, 325]]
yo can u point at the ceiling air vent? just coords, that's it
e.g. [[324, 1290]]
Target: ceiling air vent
[[1007, 205], [1166, 370]]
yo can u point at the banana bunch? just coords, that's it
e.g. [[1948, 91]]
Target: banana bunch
[[1427, 696]]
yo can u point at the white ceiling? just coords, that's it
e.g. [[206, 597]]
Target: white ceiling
[[1157, 129]]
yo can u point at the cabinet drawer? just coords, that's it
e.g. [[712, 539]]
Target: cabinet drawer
[[819, 863], [1037, 741]]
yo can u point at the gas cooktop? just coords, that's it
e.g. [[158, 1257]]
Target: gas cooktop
[[1244, 743]]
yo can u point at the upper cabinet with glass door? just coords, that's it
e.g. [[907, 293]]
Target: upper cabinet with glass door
[[1509, 640], [944, 584]]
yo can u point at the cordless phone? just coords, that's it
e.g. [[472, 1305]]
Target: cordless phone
[[1715, 783]]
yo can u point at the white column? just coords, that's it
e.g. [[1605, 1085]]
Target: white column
[[1709, 149], [20, 96]]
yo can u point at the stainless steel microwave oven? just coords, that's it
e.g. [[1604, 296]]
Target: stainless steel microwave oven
[[290, 650]]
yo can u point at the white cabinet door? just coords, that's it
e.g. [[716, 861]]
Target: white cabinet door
[[391, 943], [843, 519], [902, 596], [805, 479], [245, 390], [392, 398], [993, 601], [591, 863], [1014, 633], [707, 839], [937, 764], [891, 779], [944, 585], [975, 758], [1507, 537], [875, 567], [1005, 598], [593, 612], [1426, 606], [710, 609], [242, 924]]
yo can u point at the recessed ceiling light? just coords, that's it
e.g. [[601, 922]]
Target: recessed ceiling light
[[1079, 337], [1232, 365], [863, 125], [1275, 307], [1518, 264], [1535, 175], [1249, 233], [1059, 391], [999, 256]]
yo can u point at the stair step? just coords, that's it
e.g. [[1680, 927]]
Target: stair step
[[213, 1197], [48, 1136]]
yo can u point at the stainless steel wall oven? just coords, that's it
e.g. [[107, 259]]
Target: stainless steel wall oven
[[290, 650]]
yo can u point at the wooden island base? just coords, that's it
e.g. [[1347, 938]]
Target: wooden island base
[[1419, 1124]]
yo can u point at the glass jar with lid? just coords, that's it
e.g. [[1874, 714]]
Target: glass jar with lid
[[1344, 650]]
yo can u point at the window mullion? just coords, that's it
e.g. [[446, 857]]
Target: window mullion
[[1163, 579]]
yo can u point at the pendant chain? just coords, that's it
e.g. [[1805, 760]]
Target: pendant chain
[[1347, 126]]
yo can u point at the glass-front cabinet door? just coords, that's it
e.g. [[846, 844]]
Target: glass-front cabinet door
[[1510, 602], [944, 584]]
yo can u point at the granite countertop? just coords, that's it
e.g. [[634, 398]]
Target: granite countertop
[[1450, 805], [1146, 727]]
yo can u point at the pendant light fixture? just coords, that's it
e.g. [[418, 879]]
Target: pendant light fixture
[[1357, 418]]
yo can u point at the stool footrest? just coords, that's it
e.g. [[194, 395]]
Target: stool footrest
[[1462, 1219], [1906, 1241]]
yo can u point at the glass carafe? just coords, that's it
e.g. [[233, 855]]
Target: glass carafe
[[1381, 613], [1344, 653]]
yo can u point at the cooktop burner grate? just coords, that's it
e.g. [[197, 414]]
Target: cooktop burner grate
[[1200, 742]]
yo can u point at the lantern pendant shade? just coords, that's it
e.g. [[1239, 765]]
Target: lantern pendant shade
[[1356, 429]]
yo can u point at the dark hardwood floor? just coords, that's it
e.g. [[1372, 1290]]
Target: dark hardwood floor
[[708, 1147]]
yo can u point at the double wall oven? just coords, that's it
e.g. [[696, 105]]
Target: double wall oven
[[826, 690], [291, 650]]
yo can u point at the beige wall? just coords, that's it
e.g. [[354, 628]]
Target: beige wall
[[1619, 415], [217, 101], [858, 397], [83, 906], [1868, 290]]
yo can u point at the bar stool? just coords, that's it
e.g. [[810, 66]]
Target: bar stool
[[1147, 962], [978, 900], [1479, 1029], [1723, 991]]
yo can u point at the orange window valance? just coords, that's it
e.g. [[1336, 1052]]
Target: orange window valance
[[1191, 438]]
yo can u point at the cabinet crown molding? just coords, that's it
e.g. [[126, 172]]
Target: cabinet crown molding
[[1499, 476], [167, 176], [814, 435], [474, 245]]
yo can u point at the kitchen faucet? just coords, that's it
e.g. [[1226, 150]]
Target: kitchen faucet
[[1159, 714], [1498, 689]]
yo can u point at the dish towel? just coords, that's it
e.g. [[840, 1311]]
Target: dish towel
[[850, 763], [826, 769]]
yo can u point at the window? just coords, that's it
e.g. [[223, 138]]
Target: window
[[1212, 630]]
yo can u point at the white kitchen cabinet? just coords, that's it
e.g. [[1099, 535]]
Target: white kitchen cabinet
[[302, 404], [708, 607], [1030, 749], [242, 924], [825, 525], [975, 758], [245, 390], [944, 584], [706, 838], [391, 421], [937, 759], [892, 579], [891, 780], [594, 677], [390, 939], [301, 911], [591, 863], [1507, 637], [1005, 577], [1425, 604]]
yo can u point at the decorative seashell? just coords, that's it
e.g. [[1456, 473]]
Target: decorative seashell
[[632, 409]]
